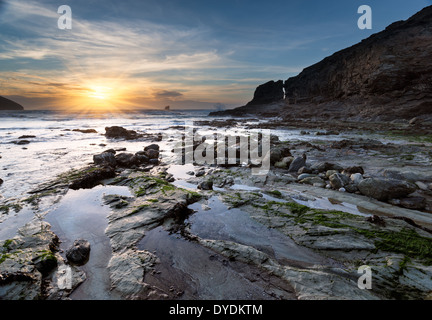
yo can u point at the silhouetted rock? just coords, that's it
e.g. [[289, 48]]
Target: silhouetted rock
[[117, 132], [7, 104], [92, 178], [267, 93], [384, 77]]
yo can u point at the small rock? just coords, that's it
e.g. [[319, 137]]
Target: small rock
[[414, 121], [330, 172], [200, 173], [376, 220], [152, 153], [342, 189], [356, 178], [126, 160], [305, 175], [154, 161], [85, 130], [281, 165], [339, 180], [206, 185], [191, 173], [297, 163], [105, 158], [1, 182], [117, 132], [421, 185], [79, 252], [351, 188], [304, 170], [153, 146], [315, 181], [21, 142]]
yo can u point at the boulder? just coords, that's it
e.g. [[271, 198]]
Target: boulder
[[105, 158], [117, 132], [356, 178], [206, 185], [339, 180], [297, 163], [126, 160], [152, 153], [79, 252], [153, 146], [385, 189], [92, 178], [141, 157]]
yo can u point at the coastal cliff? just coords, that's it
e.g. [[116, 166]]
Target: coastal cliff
[[6, 104], [384, 77]]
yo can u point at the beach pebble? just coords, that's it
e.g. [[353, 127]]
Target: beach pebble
[[356, 178], [342, 189], [421, 185]]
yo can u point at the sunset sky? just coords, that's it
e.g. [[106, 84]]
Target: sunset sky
[[185, 53]]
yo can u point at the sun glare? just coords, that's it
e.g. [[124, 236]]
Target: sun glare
[[99, 92]]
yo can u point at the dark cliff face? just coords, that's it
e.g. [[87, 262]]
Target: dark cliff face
[[6, 104], [267, 93], [384, 77], [390, 67], [387, 76]]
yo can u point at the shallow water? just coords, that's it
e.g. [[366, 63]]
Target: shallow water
[[221, 223], [82, 215], [190, 271]]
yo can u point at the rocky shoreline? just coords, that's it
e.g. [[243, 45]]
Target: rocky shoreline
[[337, 204]]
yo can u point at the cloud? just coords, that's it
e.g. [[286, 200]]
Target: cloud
[[165, 94]]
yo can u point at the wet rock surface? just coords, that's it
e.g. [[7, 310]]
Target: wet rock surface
[[275, 236]]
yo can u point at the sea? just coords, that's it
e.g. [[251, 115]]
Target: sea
[[54, 147]]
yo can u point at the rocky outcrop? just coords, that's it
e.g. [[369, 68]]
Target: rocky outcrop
[[6, 104], [32, 268], [384, 77], [267, 93], [388, 68]]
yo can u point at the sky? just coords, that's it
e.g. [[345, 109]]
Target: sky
[[182, 53]]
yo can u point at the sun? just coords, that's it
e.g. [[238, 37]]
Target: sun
[[100, 92]]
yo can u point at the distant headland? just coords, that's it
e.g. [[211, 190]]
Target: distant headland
[[7, 104]]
